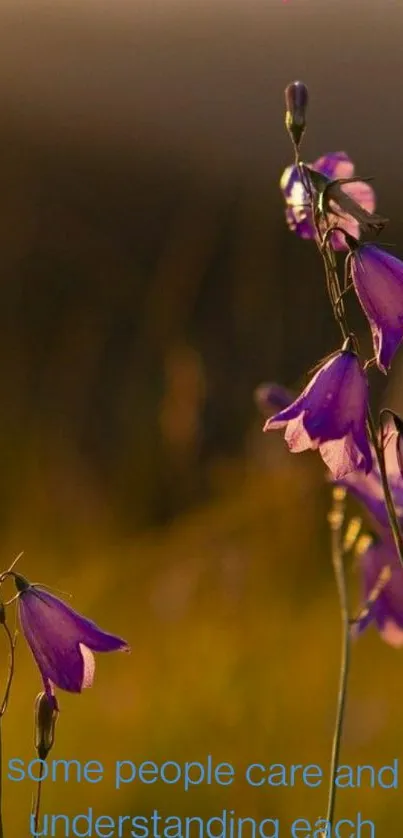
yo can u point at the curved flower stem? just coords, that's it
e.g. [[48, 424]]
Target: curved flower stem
[[334, 290], [390, 506], [12, 642], [3, 710], [335, 295], [336, 520]]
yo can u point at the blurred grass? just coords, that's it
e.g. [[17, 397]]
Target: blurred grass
[[233, 622], [140, 307]]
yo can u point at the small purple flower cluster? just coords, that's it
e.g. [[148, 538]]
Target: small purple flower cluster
[[325, 202], [331, 412]]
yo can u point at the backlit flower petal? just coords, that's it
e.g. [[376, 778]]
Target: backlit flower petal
[[61, 640], [296, 437], [378, 281], [382, 584], [333, 166], [331, 414]]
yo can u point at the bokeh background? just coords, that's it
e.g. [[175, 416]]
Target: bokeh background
[[148, 285]]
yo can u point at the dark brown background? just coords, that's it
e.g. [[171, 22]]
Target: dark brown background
[[142, 145]]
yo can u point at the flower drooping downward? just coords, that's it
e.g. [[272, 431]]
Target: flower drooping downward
[[61, 640], [330, 415], [378, 281]]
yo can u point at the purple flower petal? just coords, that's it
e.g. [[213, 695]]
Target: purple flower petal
[[378, 282], [60, 639], [386, 609], [331, 414], [346, 456], [298, 213], [333, 166], [367, 488], [364, 195]]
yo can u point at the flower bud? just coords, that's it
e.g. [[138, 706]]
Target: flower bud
[[46, 715], [296, 101], [271, 397]]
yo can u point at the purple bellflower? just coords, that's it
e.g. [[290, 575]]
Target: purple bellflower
[[330, 415], [334, 166], [382, 580], [61, 640], [365, 487], [378, 282], [368, 489]]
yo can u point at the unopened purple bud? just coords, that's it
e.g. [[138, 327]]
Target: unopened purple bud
[[46, 714], [272, 397], [296, 101]]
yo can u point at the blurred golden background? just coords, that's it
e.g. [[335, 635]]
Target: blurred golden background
[[148, 285]]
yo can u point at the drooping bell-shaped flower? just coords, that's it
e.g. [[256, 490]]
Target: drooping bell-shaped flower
[[333, 167], [368, 488], [330, 415], [382, 584], [61, 640], [365, 487], [378, 281]]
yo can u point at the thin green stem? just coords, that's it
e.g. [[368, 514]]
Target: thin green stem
[[335, 295], [12, 641], [36, 803], [334, 290], [336, 520], [3, 708], [390, 506]]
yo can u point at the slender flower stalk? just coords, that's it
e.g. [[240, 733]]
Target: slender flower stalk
[[336, 521], [4, 703], [36, 802], [390, 506], [326, 202], [337, 514], [62, 642], [335, 295]]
